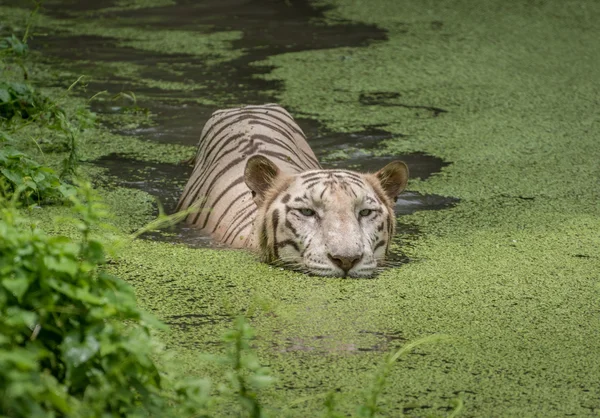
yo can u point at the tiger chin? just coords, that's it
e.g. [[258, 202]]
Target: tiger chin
[[265, 190]]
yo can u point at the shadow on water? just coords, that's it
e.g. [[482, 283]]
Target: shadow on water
[[380, 341], [268, 28]]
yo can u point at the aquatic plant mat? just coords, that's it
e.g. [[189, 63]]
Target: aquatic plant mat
[[495, 102]]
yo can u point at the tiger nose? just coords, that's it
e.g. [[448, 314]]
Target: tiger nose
[[345, 262]]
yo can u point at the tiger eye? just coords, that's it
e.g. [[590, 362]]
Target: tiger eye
[[365, 212], [307, 212]]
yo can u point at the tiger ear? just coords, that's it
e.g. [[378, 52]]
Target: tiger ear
[[260, 175], [393, 179]]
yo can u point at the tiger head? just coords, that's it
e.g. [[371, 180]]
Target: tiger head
[[325, 222]]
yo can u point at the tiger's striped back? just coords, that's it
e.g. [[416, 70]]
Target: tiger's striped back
[[228, 140]]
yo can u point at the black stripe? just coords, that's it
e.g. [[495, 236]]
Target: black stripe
[[291, 124], [262, 239], [283, 145], [286, 198], [239, 230], [313, 180], [285, 129], [390, 228], [379, 244], [281, 157], [219, 175], [309, 176], [286, 135], [306, 247], [348, 173], [350, 180], [239, 218], [220, 117], [308, 186], [353, 192], [275, 220], [317, 165], [314, 163], [237, 181], [207, 169], [342, 174], [243, 115], [229, 139], [270, 124], [323, 192], [289, 226], [346, 177], [288, 242], [205, 174], [226, 211], [215, 137], [333, 173]]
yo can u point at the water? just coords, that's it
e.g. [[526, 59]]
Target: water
[[268, 28]]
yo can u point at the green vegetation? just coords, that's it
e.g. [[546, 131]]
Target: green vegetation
[[214, 47], [35, 181], [73, 341], [22, 105], [65, 347], [511, 271]]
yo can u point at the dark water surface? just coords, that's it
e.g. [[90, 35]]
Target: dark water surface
[[268, 28]]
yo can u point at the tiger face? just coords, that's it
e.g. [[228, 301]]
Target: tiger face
[[325, 222]]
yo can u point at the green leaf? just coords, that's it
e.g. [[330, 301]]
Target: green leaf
[[4, 95], [95, 252], [20, 318], [20, 89], [4, 137], [62, 264], [77, 352], [12, 176], [58, 395], [77, 293], [66, 190], [16, 285], [261, 381], [38, 177], [21, 358], [149, 320]]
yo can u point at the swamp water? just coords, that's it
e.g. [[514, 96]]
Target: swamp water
[[181, 90], [505, 92]]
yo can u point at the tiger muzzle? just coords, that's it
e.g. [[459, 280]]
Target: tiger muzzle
[[345, 262]]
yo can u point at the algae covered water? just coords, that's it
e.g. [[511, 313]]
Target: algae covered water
[[509, 269]]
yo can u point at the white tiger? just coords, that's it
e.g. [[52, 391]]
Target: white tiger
[[261, 187]]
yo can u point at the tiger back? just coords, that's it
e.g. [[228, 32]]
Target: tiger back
[[228, 140]]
